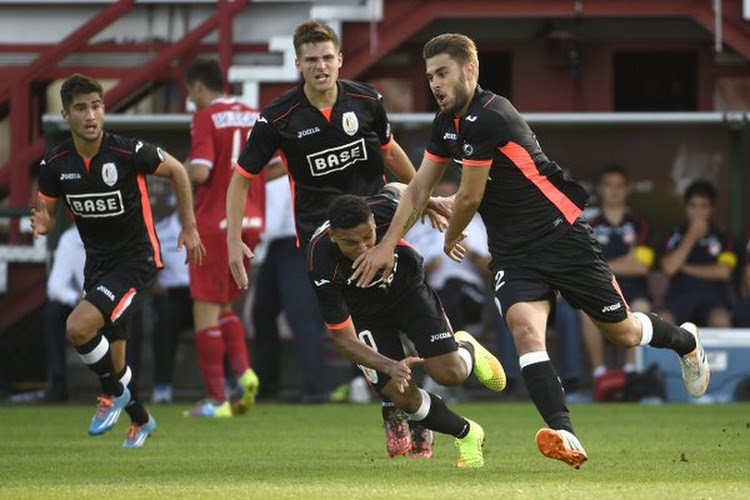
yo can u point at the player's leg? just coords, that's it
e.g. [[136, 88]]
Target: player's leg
[[142, 423]]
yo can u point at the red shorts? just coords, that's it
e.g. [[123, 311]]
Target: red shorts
[[212, 281]]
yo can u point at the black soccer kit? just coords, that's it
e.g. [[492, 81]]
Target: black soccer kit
[[108, 199], [326, 154], [619, 240], [405, 304], [691, 298], [531, 210]]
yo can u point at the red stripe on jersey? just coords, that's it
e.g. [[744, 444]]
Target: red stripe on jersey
[[244, 172], [287, 112], [477, 163], [125, 301], [491, 99], [327, 113], [388, 144], [339, 326], [58, 155], [120, 150], [148, 219], [372, 98], [521, 159], [456, 121], [616, 286], [403, 243], [435, 158], [46, 197], [87, 164]]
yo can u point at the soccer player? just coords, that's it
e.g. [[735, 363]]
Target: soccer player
[[334, 137], [624, 239], [699, 258], [219, 128], [102, 180], [538, 242], [367, 322]]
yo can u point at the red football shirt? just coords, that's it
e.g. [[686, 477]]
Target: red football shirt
[[218, 133]]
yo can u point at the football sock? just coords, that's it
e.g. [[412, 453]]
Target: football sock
[[233, 334], [435, 415], [96, 355], [135, 408], [658, 333], [466, 351], [545, 390], [210, 347]]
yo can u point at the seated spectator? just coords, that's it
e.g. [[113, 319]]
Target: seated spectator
[[64, 288], [624, 240], [699, 259], [741, 313]]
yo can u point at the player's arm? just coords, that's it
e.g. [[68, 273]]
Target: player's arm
[[673, 261], [712, 272], [43, 215], [198, 172], [409, 210], [173, 170], [636, 263], [468, 197], [345, 338], [237, 249]]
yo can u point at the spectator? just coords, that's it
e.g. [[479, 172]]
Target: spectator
[[282, 283], [741, 313], [624, 240], [699, 259], [64, 288]]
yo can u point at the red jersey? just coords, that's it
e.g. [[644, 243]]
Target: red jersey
[[218, 133]]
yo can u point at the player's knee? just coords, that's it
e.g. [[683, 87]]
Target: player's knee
[[526, 337], [627, 333], [76, 332], [450, 374]]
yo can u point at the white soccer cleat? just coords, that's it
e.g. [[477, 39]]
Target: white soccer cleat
[[561, 445], [695, 370]]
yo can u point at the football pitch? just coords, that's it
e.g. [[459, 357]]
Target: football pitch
[[338, 451]]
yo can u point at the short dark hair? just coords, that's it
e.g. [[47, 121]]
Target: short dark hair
[[613, 168], [348, 211], [314, 32], [458, 46], [206, 71], [701, 187], [76, 85]]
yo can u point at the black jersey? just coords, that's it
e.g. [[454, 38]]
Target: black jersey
[[325, 156], [330, 272], [528, 202], [107, 195], [716, 247]]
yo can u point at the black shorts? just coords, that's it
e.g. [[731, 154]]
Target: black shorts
[[115, 288], [417, 321], [573, 265]]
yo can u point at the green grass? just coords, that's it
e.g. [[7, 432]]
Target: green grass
[[338, 451]]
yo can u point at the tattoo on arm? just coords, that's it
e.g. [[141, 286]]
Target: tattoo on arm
[[413, 218]]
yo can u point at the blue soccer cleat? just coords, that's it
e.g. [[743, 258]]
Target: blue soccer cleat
[[108, 411], [137, 434]]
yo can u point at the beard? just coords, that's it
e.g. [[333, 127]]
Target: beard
[[461, 95]]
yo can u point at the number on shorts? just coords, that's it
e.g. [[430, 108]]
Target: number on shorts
[[365, 336]]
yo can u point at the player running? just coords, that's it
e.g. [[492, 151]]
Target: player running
[[102, 180], [537, 239], [368, 324]]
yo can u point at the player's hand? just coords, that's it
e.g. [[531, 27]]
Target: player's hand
[[191, 240], [439, 210], [368, 264], [698, 228], [40, 222], [237, 253], [400, 372], [453, 247]]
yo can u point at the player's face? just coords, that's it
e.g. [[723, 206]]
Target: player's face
[[319, 65], [699, 208], [448, 83], [196, 94], [86, 116], [613, 190], [355, 241]]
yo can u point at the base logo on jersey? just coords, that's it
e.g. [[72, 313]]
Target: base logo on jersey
[[335, 159], [96, 204], [109, 174], [350, 122]]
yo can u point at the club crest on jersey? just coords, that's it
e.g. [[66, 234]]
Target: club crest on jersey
[[335, 159], [109, 174], [350, 122], [468, 149]]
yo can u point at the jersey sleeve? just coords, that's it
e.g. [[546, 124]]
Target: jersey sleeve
[[436, 147], [383, 206], [259, 148], [146, 156], [202, 140], [328, 292], [727, 255], [49, 182], [382, 125]]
